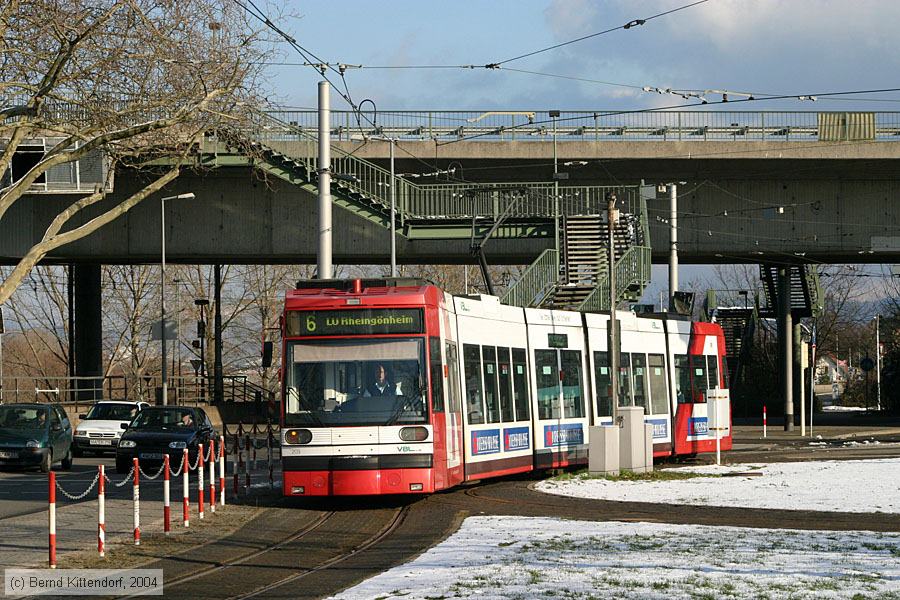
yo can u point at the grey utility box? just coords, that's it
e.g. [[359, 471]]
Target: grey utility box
[[603, 450], [635, 441]]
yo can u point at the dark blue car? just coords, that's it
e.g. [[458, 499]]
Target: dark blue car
[[160, 430], [35, 435]]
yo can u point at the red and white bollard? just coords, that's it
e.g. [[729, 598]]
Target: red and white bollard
[[270, 459], [51, 496], [186, 482], [764, 420], [237, 465], [101, 510], [246, 465], [137, 503], [200, 498], [166, 508], [212, 476], [221, 470]]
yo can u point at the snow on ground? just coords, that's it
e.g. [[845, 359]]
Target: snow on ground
[[839, 486], [520, 557]]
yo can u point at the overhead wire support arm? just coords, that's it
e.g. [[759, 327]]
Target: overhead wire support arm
[[478, 247]]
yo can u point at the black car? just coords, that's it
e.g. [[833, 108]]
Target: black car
[[35, 435], [160, 430]]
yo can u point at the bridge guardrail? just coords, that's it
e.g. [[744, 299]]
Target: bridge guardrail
[[669, 125]]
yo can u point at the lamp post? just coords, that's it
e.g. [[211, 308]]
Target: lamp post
[[201, 333], [554, 114], [878, 361], [165, 374]]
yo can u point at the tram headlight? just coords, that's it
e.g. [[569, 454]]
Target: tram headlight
[[297, 436], [413, 434]]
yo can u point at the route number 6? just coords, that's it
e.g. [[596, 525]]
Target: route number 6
[[310, 322]]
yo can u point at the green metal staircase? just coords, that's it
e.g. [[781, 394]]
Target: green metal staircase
[[806, 298], [738, 324], [579, 279]]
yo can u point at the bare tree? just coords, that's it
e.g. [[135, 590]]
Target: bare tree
[[135, 80]]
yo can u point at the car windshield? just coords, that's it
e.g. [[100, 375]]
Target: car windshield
[[355, 382], [112, 412], [23, 417], [164, 418]]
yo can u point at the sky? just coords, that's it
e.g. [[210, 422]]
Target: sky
[[797, 47]]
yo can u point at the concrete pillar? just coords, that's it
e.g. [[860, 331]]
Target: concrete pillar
[[88, 317], [796, 364], [785, 345]]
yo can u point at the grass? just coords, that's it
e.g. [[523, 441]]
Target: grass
[[663, 475]]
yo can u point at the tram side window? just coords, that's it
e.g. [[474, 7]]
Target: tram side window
[[625, 395], [453, 377], [639, 371], [492, 402], [573, 392], [504, 380], [713, 366], [698, 378], [520, 384], [547, 377], [437, 374], [602, 382], [659, 396], [474, 399], [682, 379]]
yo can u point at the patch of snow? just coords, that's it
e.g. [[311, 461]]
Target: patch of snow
[[841, 486], [521, 557]]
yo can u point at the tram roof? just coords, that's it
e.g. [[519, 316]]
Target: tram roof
[[401, 291]]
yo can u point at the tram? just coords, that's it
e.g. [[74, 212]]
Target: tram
[[393, 386]]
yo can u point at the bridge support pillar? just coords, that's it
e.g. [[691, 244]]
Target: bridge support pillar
[[785, 345], [88, 325]]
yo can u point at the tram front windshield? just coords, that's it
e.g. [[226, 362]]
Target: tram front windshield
[[355, 382]]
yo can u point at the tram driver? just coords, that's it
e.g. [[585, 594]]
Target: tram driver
[[381, 386]]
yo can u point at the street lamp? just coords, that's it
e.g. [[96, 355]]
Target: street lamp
[[165, 378]]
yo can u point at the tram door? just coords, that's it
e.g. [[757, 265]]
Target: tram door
[[561, 412], [454, 407]]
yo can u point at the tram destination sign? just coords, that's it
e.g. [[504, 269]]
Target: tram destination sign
[[361, 321]]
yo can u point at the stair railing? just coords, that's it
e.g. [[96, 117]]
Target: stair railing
[[535, 283], [632, 269]]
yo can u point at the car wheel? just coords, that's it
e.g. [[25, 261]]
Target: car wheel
[[47, 462], [122, 466], [67, 460]]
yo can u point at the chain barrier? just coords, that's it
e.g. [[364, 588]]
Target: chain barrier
[[124, 482], [195, 464], [177, 472], [155, 475], [83, 494]]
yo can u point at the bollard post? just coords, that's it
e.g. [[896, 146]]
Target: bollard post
[[222, 470], [101, 511], [186, 481], [764, 420], [51, 497], [212, 475], [137, 503], [200, 498], [236, 465], [254, 465], [166, 508], [246, 463], [269, 458]]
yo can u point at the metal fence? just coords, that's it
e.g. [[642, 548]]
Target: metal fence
[[525, 125]]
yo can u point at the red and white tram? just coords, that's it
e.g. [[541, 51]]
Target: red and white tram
[[393, 386]]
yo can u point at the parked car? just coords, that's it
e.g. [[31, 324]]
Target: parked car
[[35, 435], [101, 427], [160, 430]]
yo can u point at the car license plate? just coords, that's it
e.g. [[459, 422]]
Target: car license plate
[[152, 455], [8, 454], [101, 442]]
